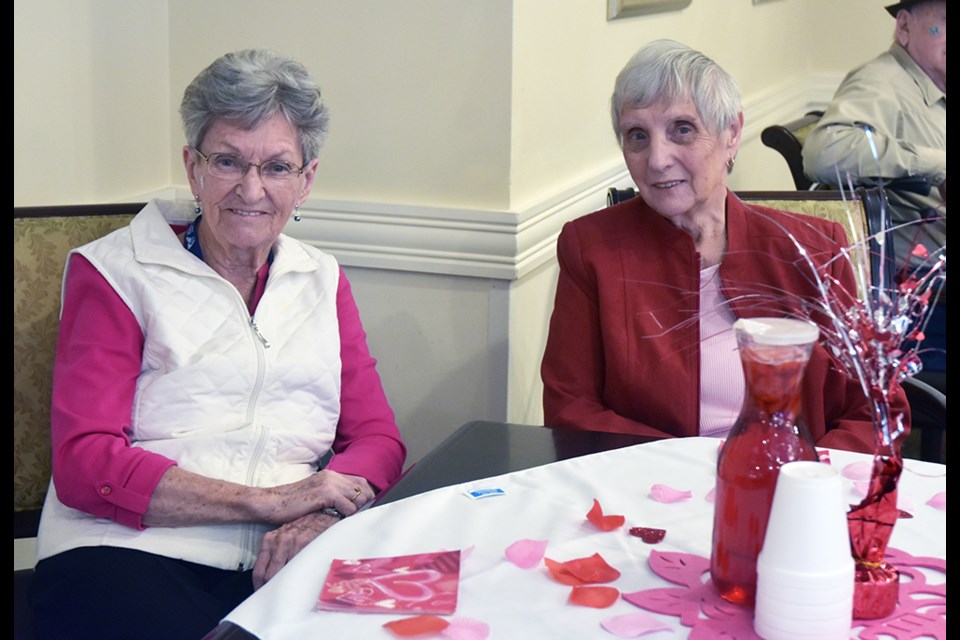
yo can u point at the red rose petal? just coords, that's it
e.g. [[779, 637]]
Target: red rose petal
[[417, 625], [560, 573], [596, 597], [582, 570], [602, 522], [648, 534]]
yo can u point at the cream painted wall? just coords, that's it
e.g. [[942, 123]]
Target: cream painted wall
[[91, 107], [418, 90], [489, 105], [566, 56], [441, 346]]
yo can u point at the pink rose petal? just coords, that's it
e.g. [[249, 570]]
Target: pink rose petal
[[712, 495], [663, 493], [633, 625], [857, 471], [526, 554], [466, 629], [939, 501], [861, 488]]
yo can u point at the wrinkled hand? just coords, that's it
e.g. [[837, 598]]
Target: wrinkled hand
[[288, 502], [345, 493], [282, 544]]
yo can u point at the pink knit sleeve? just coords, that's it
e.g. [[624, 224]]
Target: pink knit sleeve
[[368, 442], [98, 359]]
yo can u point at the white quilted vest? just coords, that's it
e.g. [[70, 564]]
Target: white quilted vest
[[225, 395]]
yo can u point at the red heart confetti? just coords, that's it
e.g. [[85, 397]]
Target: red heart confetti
[[648, 534]]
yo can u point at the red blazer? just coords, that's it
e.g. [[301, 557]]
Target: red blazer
[[623, 351]]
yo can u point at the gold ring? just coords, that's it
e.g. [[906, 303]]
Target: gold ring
[[356, 494]]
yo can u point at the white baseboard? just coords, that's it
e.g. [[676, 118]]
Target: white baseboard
[[24, 553]]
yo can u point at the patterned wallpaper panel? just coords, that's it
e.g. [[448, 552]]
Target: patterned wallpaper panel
[[40, 247]]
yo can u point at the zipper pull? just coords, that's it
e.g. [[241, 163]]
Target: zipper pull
[[256, 331]]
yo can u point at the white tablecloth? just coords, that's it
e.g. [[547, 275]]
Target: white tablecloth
[[547, 503]]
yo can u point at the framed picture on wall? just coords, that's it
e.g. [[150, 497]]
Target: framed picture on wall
[[629, 8]]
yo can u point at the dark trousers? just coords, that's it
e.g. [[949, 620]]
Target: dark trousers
[[104, 593]]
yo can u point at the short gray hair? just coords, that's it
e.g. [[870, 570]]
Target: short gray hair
[[247, 88], [665, 69]]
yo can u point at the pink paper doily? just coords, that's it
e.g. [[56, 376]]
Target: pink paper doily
[[921, 612]]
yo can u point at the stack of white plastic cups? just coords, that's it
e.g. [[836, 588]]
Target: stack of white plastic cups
[[805, 571]]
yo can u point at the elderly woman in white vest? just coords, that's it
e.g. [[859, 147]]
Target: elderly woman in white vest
[[215, 406]]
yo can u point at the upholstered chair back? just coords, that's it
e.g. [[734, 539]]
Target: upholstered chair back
[[42, 237]]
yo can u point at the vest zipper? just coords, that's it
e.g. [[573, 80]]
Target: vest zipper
[[256, 332], [248, 537]]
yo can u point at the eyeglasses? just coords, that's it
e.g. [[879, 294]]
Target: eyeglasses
[[229, 166]]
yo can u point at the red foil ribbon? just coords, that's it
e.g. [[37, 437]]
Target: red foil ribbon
[[877, 583]]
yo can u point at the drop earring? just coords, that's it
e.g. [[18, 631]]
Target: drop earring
[[296, 214], [196, 207]]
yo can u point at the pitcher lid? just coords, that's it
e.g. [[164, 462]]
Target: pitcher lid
[[778, 331]]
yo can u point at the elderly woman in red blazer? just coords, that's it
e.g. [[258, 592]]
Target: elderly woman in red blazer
[[641, 336]]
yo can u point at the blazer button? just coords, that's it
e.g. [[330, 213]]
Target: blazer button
[[105, 490]]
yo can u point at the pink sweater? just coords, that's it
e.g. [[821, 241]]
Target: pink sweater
[[98, 360]]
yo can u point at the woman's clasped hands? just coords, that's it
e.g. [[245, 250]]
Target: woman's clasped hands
[[317, 494]]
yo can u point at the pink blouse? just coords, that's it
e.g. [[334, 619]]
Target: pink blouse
[[722, 386]]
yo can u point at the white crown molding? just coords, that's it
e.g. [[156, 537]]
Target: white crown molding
[[500, 245]]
